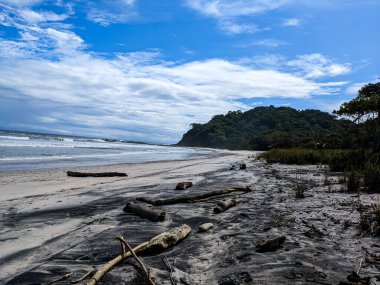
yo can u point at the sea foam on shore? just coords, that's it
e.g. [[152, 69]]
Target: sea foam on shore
[[30, 151]]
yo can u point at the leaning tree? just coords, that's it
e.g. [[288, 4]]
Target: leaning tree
[[364, 110]]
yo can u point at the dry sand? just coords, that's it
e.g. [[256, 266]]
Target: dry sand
[[52, 224]]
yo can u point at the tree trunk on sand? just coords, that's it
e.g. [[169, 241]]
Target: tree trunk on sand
[[224, 205], [158, 243], [96, 174], [146, 212], [193, 198]]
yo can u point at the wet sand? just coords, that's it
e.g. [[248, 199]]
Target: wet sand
[[52, 224]]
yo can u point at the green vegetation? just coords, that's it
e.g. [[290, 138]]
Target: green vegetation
[[264, 128], [353, 181], [300, 190], [337, 159], [350, 144]]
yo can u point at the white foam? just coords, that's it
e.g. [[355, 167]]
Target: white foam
[[14, 138]]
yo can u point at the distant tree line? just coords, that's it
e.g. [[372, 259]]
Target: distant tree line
[[264, 128], [348, 140]]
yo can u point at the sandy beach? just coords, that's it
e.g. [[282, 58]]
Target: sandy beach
[[52, 224]]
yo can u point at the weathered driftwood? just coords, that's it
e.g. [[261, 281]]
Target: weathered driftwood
[[95, 174], [84, 276], [193, 198], [149, 279], [170, 268], [159, 242], [183, 185], [205, 227], [146, 212], [224, 205], [270, 244]]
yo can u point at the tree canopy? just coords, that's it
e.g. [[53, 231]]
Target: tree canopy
[[364, 110], [264, 128]]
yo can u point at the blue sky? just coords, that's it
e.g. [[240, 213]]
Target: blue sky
[[145, 69]]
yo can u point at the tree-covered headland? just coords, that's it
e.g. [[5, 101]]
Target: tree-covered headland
[[347, 140]]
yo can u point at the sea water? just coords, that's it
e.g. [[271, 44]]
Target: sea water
[[20, 150]]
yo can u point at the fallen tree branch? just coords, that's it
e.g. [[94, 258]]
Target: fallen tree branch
[[159, 242], [169, 267], [193, 198], [95, 174], [145, 212], [84, 276], [147, 273], [360, 266], [64, 277], [223, 206]]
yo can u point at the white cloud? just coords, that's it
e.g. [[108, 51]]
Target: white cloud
[[309, 66], [270, 43], [107, 12], [230, 14], [40, 32], [234, 8], [140, 94], [231, 27], [33, 17], [354, 88], [317, 65], [291, 22], [20, 3]]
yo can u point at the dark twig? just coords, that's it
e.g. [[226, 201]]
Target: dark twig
[[147, 273], [170, 268], [360, 266], [64, 277]]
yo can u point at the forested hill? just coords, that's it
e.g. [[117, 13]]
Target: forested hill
[[264, 128]]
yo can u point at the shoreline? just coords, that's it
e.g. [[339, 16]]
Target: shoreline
[[54, 224], [216, 153], [47, 162]]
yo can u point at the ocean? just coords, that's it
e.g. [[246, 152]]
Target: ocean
[[21, 151]]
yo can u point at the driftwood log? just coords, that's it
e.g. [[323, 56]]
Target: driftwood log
[[159, 242], [224, 205], [95, 174], [146, 212], [205, 227], [270, 244], [84, 276], [193, 198], [125, 245], [183, 185]]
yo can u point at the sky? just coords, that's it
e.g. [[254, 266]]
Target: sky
[[144, 70]]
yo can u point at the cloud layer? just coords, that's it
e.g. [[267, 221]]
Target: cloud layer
[[138, 95], [230, 14]]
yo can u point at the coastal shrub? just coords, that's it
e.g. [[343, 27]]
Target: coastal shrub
[[344, 160], [371, 176], [300, 190], [370, 221], [292, 156], [353, 181], [336, 159]]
